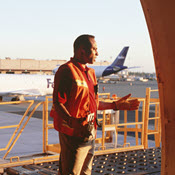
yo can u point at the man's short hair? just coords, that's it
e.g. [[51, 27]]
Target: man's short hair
[[83, 40]]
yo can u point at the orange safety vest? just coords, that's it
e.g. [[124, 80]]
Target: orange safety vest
[[79, 101]]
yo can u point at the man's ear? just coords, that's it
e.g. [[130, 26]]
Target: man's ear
[[82, 51], [82, 48]]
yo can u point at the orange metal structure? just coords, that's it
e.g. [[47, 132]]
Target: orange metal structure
[[109, 125]]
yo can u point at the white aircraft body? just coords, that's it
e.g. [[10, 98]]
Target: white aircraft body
[[19, 85]]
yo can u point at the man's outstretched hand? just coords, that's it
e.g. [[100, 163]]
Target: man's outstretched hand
[[124, 104]]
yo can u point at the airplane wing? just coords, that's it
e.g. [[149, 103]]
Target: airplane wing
[[28, 92]]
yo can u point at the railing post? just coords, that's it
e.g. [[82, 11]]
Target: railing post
[[44, 126], [147, 101]]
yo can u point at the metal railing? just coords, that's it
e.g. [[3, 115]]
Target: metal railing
[[17, 131], [53, 149]]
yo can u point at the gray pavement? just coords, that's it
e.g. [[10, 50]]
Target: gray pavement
[[30, 141]]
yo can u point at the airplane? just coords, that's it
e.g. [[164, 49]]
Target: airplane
[[20, 85], [116, 66]]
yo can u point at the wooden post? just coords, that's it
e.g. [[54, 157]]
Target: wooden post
[[159, 16]]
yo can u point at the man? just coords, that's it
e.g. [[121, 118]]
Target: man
[[75, 102]]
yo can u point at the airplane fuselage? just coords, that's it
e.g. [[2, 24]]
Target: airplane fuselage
[[39, 85], [26, 84]]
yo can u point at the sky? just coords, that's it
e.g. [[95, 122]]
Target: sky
[[46, 29]]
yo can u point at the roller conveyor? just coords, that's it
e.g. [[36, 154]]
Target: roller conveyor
[[138, 162]]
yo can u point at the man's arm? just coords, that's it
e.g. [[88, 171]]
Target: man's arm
[[62, 88], [106, 105], [122, 104], [62, 84], [63, 112]]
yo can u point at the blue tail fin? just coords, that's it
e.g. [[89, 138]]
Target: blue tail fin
[[119, 61], [117, 65]]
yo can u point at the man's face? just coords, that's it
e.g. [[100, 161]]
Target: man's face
[[91, 53]]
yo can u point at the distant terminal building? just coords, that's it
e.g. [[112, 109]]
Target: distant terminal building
[[31, 66]]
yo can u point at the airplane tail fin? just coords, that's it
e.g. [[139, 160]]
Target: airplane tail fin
[[119, 61]]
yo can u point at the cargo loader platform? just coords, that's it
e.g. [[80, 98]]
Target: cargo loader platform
[[139, 162]]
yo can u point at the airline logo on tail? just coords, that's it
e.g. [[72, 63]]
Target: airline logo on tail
[[121, 57], [117, 65]]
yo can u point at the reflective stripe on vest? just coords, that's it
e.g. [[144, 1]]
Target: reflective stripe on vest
[[81, 83]]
